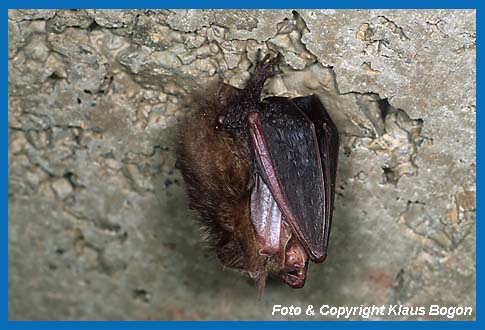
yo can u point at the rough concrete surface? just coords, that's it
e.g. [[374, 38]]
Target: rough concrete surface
[[99, 225]]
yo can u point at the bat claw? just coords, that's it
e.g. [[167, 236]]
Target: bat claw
[[265, 58]]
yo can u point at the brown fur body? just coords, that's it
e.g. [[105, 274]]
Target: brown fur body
[[217, 168], [216, 160]]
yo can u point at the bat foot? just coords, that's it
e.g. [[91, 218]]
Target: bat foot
[[266, 66]]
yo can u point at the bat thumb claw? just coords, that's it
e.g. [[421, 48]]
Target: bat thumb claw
[[262, 285]]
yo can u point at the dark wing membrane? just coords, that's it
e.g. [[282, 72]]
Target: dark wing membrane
[[295, 152], [328, 143]]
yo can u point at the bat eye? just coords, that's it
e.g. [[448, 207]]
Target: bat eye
[[220, 119]]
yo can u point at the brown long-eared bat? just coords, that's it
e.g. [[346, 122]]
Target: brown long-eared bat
[[261, 174]]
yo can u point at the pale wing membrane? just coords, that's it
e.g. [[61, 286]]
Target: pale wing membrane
[[266, 217]]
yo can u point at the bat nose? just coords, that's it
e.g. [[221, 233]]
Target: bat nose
[[294, 263]]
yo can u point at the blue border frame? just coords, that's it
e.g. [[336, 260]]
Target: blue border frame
[[345, 4], [341, 4]]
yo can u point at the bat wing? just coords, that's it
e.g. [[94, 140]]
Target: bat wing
[[296, 145], [328, 143]]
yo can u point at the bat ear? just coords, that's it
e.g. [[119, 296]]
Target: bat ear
[[227, 94]]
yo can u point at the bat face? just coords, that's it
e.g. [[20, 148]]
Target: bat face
[[278, 219], [296, 265]]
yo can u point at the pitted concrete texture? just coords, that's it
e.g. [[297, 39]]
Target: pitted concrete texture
[[99, 225]]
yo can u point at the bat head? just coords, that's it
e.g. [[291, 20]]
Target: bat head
[[290, 266], [295, 265]]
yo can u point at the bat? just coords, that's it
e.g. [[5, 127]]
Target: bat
[[261, 174]]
